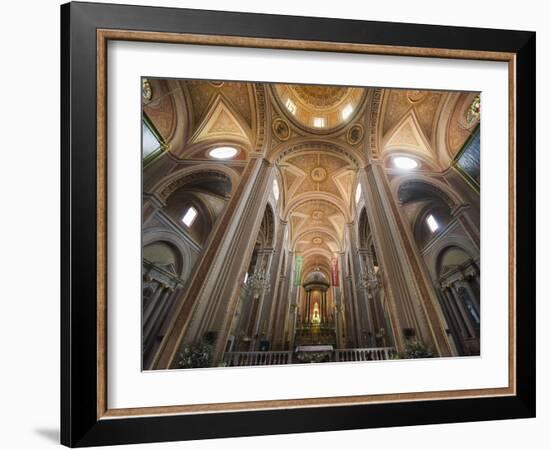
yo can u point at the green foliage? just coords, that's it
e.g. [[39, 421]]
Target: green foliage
[[195, 356], [416, 349]]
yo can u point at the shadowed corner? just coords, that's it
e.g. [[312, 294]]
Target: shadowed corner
[[50, 434]]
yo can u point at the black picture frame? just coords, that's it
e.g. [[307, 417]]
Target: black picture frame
[[80, 425]]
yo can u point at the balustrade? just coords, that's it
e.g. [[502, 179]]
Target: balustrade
[[272, 358]]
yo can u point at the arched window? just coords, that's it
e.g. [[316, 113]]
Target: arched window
[[276, 190]]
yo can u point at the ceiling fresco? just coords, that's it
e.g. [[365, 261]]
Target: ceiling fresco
[[317, 138]]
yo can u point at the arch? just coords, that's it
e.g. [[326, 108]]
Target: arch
[[322, 230], [301, 144], [441, 247], [427, 185], [267, 227], [315, 196], [441, 213], [425, 162], [363, 232], [280, 202], [189, 175], [157, 234], [198, 150]]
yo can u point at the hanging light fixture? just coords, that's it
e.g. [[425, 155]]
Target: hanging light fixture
[[258, 283]]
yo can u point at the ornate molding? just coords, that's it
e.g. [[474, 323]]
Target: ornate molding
[[174, 185], [373, 118]]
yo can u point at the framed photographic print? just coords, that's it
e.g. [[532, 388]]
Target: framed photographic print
[[277, 224]]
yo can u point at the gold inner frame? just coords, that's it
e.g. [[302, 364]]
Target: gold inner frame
[[103, 36]]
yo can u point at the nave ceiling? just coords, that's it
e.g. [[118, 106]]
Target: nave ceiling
[[317, 136]]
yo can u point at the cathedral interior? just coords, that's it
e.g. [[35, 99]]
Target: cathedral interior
[[287, 223]]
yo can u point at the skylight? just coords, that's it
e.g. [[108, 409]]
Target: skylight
[[404, 162], [319, 122], [432, 223], [346, 112], [189, 217], [290, 106], [223, 152]]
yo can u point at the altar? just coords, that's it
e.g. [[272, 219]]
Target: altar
[[314, 353]]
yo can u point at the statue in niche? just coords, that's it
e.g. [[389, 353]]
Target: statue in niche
[[316, 318]]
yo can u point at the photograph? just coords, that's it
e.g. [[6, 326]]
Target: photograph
[[299, 223], [284, 222]]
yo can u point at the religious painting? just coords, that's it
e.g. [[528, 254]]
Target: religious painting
[[295, 224]]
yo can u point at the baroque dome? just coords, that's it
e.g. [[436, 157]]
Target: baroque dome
[[321, 109], [316, 277]]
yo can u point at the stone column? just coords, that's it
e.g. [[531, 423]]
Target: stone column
[[473, 297], [147, 310], [281, 321], [451, 320], [411, 298], [266, 259], [459, 320], [213, 291], [463, 312], [461, 214], [362, 320], [272, 313], [152, 326], [308, 307]]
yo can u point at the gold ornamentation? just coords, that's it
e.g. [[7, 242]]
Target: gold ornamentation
[[318, 174], [146, 90], [320, 96], [317, 215], [281, 129], [473, 112], [416, 95], [317, 240], [355, 134]]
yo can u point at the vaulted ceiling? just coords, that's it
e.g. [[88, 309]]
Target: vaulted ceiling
[[317, 136]]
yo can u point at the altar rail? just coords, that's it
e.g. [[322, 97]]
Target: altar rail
[[364, 354], [285, 357], [257, 358]]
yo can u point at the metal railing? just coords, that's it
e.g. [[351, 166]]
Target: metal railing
[[273, 358], [257, 358], [364, 354]]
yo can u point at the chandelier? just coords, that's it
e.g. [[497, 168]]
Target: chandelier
[[368, 280], [258, 283]]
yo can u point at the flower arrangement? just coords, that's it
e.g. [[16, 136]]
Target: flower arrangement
[[416, 349], [197, 355], [200, 354]]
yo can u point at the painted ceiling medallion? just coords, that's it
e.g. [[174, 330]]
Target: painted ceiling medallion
[[317, 240], [217, 84], [355, 134], [415, 96], [318, 174], [281, 129], [317, 215], [146, 90]]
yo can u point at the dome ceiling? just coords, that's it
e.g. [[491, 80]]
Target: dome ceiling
[[320, 109], [305, 130]]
